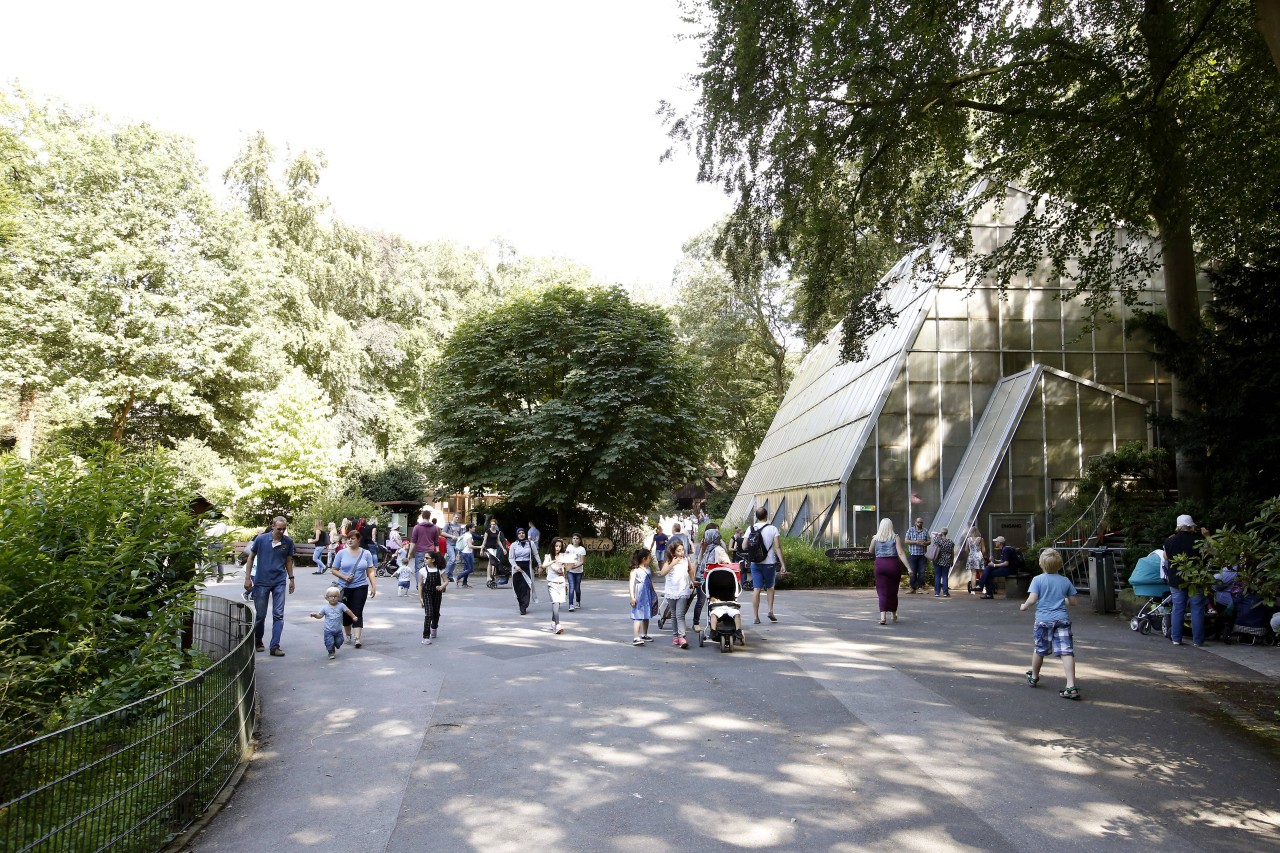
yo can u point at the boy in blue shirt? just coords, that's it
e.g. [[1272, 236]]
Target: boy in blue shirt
[[1051, 593], [331, 613]]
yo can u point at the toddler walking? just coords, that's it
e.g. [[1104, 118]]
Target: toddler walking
[[404, 569], [1051, 593], [331, 613], [644, 600]]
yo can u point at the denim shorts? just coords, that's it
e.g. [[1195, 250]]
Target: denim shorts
[[1055, 634], [763, 575]]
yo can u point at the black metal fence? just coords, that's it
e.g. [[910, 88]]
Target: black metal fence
[[132, 779]]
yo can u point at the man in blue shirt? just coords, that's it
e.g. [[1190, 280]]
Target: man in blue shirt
[[272, 553]]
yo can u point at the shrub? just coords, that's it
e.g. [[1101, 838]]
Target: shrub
[[100, 564], [398, 481], [332, 508]]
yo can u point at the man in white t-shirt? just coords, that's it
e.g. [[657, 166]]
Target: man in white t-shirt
[[764, 574]]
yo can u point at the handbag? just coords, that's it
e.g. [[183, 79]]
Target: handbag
[[931, 553]]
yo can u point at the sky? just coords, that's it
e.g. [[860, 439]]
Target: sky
[[530, 121]]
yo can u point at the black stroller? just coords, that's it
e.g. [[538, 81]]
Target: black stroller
[[501, 568]]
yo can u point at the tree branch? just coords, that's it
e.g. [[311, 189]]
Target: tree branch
[[1182, 54], [1068, 116]]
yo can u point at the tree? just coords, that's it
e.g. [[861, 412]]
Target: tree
[[129, 293], [741, 335], [847, 128], [289, 447], [567, 396]]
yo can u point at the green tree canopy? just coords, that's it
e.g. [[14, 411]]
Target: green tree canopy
[[842, 126], [566, 396]]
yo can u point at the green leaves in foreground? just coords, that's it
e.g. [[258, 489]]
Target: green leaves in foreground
[[98, 559]]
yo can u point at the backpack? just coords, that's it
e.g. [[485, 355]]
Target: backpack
[[757, 552], [1017, 563]]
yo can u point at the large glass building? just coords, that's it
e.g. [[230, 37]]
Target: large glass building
[[974, 408]]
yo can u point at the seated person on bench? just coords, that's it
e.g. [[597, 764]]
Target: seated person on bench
[[1002, 566]]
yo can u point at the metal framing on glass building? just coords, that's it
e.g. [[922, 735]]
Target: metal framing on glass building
[[973, 408]]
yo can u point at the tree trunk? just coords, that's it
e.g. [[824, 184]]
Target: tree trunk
[[1269, 25], [121, 418], [1172, 213], [25, 431]]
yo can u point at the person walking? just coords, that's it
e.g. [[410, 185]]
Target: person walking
[[466, 548], [266, 574], [710, 552], [942, 564], [431, 587], [353, 567], [320, 545], [1051, 594], [765, 553], [423, 540], [535, 536], [644, 600], [917, 543], [332, 614], [660, 543], [969, 574], [491, 546], [554, 566], [574, 571], [677, 589], [452, 530], [890, 561], [524, 561]]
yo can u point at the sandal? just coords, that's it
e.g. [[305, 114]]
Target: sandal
[[882, 622], [1032, 680], [1069, 693]]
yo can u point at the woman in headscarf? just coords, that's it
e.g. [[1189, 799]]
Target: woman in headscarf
[[524, 559], [710, 552]]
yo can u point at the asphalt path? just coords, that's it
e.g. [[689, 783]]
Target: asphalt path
[[828, 732]]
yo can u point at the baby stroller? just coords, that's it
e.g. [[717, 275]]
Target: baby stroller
[[387, 567], [501, 568], [722, 588], [1147, 580]]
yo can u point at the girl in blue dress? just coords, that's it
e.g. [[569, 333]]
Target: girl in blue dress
[[644, 600]]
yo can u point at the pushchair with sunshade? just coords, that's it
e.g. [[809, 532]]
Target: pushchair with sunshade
[[1148, 580], [724, 617]]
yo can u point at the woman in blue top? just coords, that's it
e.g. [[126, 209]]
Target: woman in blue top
[[890, 561], [353, 567]]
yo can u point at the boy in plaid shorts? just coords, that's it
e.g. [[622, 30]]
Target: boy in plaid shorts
[[1051, 593]]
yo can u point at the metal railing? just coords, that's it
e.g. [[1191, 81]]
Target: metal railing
[[133, 778], [1086, 533]]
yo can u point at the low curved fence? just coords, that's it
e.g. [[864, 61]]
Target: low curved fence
[[132, 779]]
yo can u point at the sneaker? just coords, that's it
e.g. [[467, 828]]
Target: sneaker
[[647, 638], [333, 655], [426, 641], [559, 629], [684, 644], [757, 621], [946, 595], [937, 595], [359, 644], [637, 642], [1177, 642], [675, 641], [772, 618], [988, 595], [554, 625], [277, 652], [259, 647]]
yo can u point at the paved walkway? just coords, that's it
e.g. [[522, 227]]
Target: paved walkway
[[828, 733]]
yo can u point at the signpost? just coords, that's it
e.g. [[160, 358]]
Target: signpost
[[848, 555]]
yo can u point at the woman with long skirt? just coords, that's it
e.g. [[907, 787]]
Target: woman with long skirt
[[524, 560], [890, 562], [353, 566]]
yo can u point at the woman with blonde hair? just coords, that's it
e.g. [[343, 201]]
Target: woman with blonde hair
[[890, 562], [969, 573]]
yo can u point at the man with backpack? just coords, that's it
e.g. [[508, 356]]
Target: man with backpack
[[1009, 563], [765, 554]]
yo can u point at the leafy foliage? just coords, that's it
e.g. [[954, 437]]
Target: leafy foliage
[[575, 396], [1230, 430], [100, 559], [332, 507], [397, 481], [740, 333], [1253, 549], [854, 130]]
